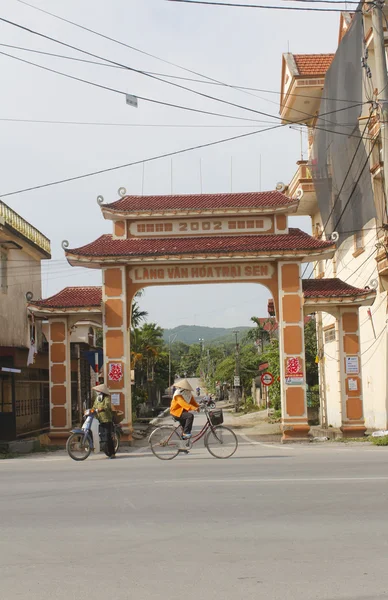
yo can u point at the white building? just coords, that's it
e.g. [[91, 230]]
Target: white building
[[361, 258]]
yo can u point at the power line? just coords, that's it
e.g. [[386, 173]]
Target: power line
[[125, 45], [191, 79], [79, 79], [231, 4], [107, 124], [138, 71], [210, 82], [110, 89], [355, 185], [150, 159], [347, 172]]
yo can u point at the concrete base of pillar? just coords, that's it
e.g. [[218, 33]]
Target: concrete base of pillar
[[353, 431], [293, 434], [58, 438]]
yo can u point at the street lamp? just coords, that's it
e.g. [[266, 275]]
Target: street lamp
[[202, 343]]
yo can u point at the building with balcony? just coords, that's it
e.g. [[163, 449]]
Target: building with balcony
[[342, 188]]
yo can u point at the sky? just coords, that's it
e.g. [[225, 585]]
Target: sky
[[234, 45]]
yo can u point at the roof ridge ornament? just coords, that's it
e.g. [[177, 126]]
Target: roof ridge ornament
[[65, 244], [280, 186], [100, 200], [122, 192]]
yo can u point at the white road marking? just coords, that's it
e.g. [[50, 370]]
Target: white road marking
[[252, 443], [280, 480]]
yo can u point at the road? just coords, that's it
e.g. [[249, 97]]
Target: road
[[273, 522]]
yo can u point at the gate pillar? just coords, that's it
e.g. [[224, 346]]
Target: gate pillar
[[60, 378], [292, 358], [353, 424], [117, 364]]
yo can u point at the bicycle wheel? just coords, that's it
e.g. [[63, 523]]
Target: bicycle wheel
[[116, 441], [77, 447], [221, 442], [165, 442]]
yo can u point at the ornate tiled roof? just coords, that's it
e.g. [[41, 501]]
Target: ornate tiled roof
[[72, 297], [295, 241], [313, 64], [331, 288], [200, 201]]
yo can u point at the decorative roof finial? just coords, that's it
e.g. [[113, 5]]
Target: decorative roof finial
[[122, 191], [65, 244], [100, 200]]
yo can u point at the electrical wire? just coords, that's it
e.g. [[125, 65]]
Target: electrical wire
[[191, 79], [106, 124], [231, 4], [210, 80], [347, 174], [132, 69], [110, 89], [355, 186], [146, 160]]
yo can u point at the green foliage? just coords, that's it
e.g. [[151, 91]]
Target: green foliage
[[380, 441], [310, 341], [271, 355], [249, 406]]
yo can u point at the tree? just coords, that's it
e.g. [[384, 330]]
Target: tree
[[310, 343], [260, 333]]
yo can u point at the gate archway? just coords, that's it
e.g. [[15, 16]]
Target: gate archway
[[218, 238]]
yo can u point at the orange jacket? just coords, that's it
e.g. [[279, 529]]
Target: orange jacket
[[178, 405]]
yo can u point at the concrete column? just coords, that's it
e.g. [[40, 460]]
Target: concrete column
[[292, 358], [353, 424], [117, 364], [60, 379]]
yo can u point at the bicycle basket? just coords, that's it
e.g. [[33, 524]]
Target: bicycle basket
[[117, 416], [216, 416]]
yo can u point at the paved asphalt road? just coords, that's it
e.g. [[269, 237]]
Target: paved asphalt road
[[273, 522]]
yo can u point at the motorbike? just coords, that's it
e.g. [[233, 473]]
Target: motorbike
[[208, 402], [87, 438]]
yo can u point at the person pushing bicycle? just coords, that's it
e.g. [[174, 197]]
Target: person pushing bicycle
[[183, 405]]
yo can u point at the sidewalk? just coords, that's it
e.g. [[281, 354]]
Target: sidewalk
[[255, 425]]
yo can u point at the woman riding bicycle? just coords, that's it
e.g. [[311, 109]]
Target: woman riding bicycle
[[183, 405]]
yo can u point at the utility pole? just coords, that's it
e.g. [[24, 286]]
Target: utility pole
[[381, 80]]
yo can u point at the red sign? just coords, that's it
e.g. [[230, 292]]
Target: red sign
[[293, 365], [267, 379], [115, 372]]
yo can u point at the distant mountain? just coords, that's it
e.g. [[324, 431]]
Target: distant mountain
[[191, 334]]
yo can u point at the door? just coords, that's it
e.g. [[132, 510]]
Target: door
[[7, 408]]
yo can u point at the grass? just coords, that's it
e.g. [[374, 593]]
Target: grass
[[379, 441]]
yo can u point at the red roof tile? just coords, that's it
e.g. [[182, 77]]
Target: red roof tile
[[200, 201], [295, 240], [333, 287], [313, 64], [72, 297]]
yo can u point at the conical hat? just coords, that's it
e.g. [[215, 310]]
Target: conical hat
[[183, 384], [102, 388]]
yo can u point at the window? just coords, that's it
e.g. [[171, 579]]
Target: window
[[330, 335], [141, 228], [3, 272]]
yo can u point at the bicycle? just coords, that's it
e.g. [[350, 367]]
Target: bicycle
[[166, 441]]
